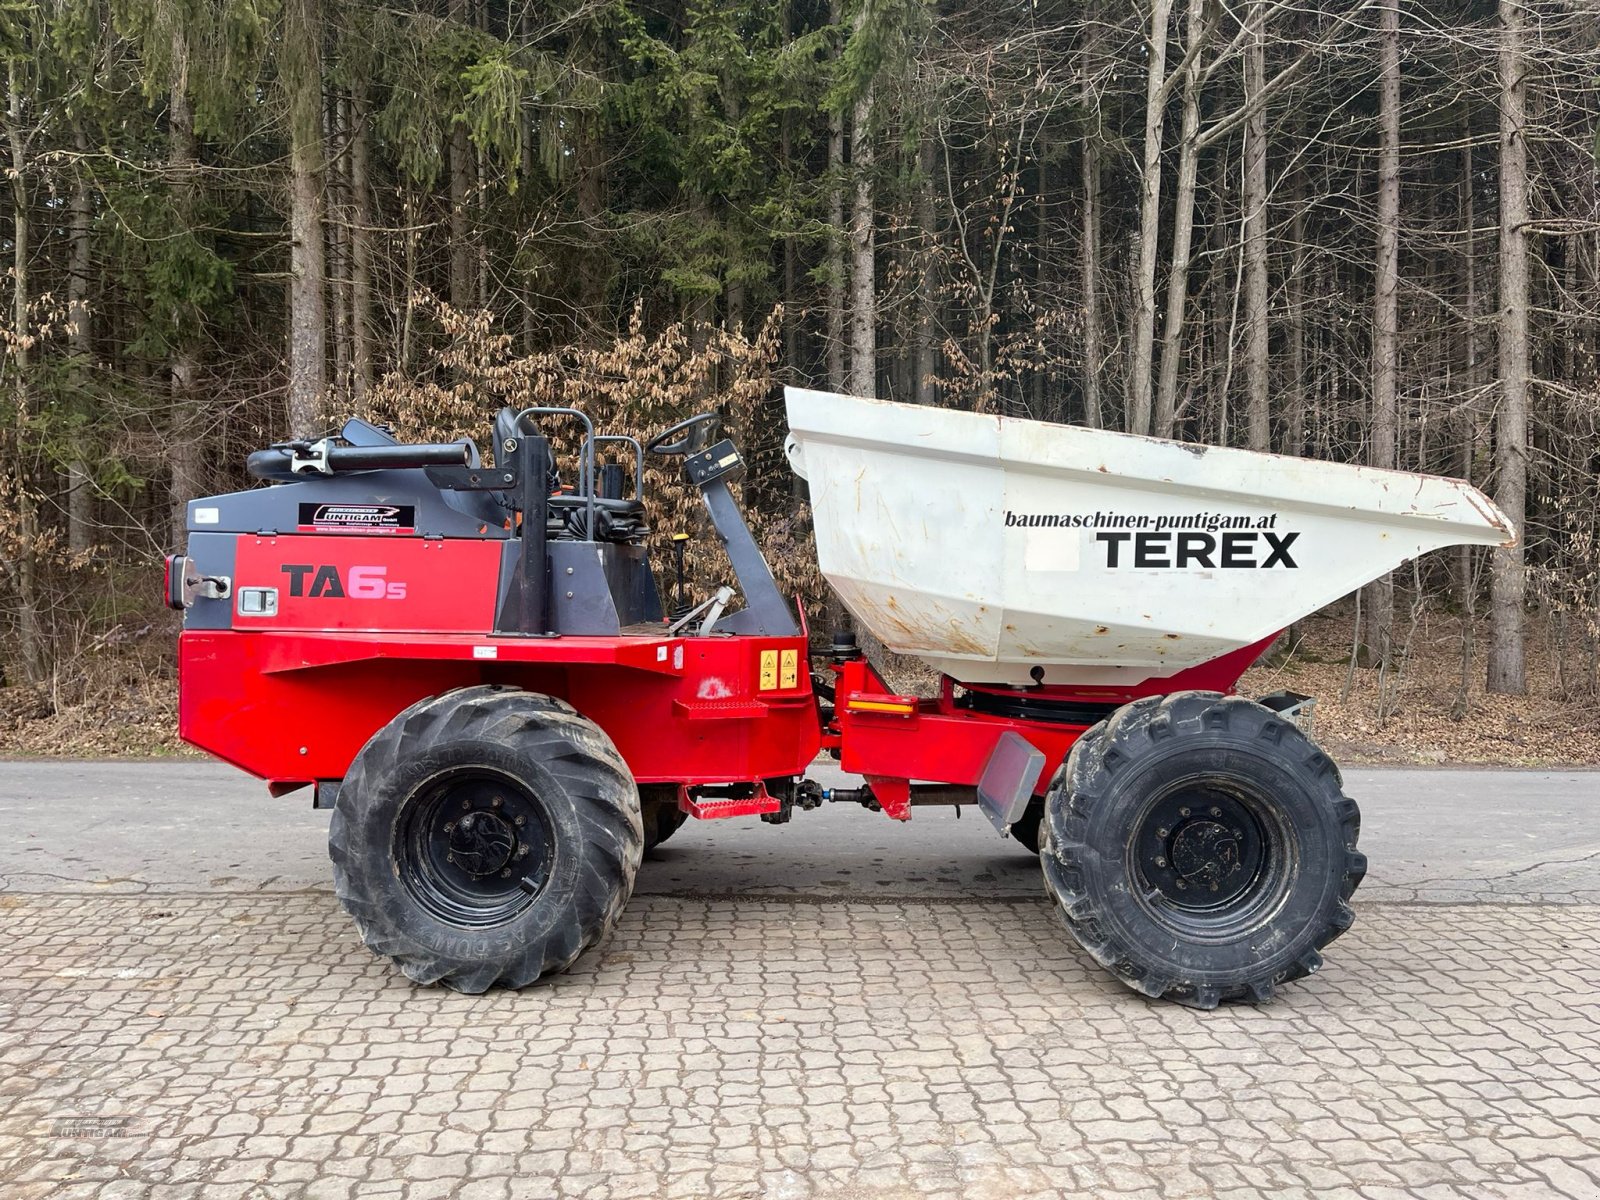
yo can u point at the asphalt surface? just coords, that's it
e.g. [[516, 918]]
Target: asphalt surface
[[1433, 835]]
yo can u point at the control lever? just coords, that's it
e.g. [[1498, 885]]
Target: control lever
[[712, 608]]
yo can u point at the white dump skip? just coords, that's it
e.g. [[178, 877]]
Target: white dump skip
[[989, 546]]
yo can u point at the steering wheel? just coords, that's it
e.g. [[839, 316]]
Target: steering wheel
[[697, 432]]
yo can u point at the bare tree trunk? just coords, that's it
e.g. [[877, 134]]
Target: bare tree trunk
[[735, 295], [735, 305], [302, 38], [183, 368], [591, 196], [1298, 390], [463, 293], [792, 312], [526, 290], [926, 385], [338, 242], [863, 255], [791, 265], [1257, 365], [1466, 561], [836, 264], [791, 304], [1040, 405], [24, 570], [1385, 312], [1144, 316], [1182, 237], [1089, 155], [360, 243], [1222, 302], [408, 276], [80, 496], [1507, 584]]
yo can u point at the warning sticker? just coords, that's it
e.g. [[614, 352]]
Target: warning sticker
[[358, 518]]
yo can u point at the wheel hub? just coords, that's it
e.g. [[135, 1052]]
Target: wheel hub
[[482, 842], [474, 847], [1205, 853], [1200, 848]]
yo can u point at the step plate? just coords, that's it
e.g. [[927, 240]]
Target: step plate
[[708, 808]]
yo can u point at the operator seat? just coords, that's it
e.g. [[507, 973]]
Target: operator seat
[[616, 519], [506, 427]]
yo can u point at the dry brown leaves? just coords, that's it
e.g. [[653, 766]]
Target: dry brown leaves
[[637, 384], [1556, 724], [141, 722]]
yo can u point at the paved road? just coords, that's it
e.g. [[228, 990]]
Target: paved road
[[840, 1008], [1434, 835]]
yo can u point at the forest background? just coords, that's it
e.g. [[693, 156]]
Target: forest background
[[1359, 230]]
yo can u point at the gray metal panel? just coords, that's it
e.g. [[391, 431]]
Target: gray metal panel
[[580, 597], [765, 610], [1008, 778], [441, 513], [633, 585], [508, 609], [212, 554]]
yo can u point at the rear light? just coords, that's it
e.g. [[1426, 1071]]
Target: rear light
[[900, 706], [177, 565]]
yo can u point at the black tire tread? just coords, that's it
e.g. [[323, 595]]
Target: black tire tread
[[570, 747], [1079, 782], [662, 816]]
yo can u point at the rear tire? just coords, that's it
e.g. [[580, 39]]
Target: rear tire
[[1201, 848], [486, 836]]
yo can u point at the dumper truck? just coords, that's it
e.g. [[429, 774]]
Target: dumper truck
[[472, 666]]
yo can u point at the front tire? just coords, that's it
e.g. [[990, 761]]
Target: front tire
[[662, 816], [1201, 848], [1028, 828], [486, 836]]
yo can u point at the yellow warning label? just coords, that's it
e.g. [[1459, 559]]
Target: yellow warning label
[[789, 671], [769, 670]]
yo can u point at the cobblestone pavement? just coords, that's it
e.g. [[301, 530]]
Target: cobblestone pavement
[[237, 1045]]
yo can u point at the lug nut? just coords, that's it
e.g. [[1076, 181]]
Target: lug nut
[[449, 858], [497, 802], [521, 820], [1182, 884], [1213, 887], [506, 874], [1161, 862], [1215, 811], [449, 825], [522, 853], [1163, 832], [1183, 812]]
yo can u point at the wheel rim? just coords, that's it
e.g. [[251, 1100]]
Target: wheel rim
[[1212, 858], [473, 847]]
